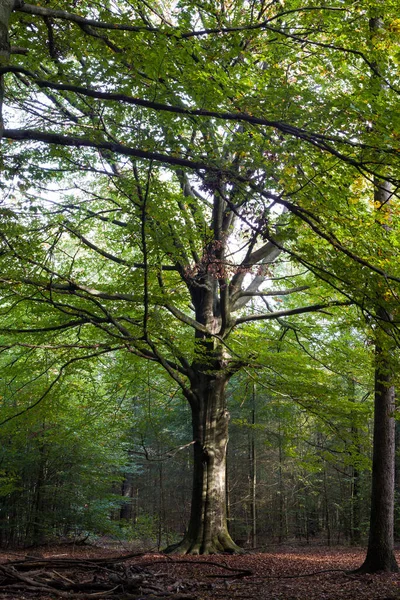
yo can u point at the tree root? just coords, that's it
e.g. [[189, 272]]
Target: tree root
[[219, 544], [376, 562]]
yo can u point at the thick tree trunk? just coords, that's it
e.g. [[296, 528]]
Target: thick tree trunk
[[397, 481], [380, 555], [208, 532]]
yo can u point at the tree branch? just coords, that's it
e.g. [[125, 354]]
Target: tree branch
[[77, 142], [31, 9], [267, 254], [63, 15], [100, 251], [284, 128], [68, 325], [290, 311], [186, 319], [274, 292], [55, 380]]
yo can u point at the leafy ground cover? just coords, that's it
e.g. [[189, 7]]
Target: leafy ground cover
[[312, 573]]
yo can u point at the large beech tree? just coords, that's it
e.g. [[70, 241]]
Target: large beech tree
[[196, 146]]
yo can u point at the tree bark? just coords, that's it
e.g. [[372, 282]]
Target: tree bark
[[380, 555], [253, 472], [397, 481], [355, 519], [5, 11], [208, 532], [354, 532], [127, 491]]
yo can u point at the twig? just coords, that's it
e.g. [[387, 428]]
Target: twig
[[205, 563], [298, 575]]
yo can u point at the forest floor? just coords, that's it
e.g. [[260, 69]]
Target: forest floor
[[284, 573]]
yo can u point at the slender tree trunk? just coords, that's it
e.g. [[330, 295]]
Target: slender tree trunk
[[281, 534], [326, 511], [38, 523], [161, 504], [208, 532], [253, 461], [355, 507], [355, 530], [127, 492], [135, 507]]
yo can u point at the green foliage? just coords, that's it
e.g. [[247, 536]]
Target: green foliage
[[59, 462]]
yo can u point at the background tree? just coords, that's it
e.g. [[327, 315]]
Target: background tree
[[59, 462]]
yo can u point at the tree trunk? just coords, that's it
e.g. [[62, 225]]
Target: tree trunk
[[281, 533], [326, 511], [5, 11], [380, 555], [355, 506], [127, 492], [355, 522], [253, 472], [397, 481], [208, 532]]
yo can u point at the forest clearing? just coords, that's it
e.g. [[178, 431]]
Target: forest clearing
[[312, 573]]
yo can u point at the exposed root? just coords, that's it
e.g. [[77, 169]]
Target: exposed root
[[378, 562], [370, 568], [181, 548], [219, 544]]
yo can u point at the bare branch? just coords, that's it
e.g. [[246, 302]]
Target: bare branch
[[267, 255], [290, 311], [311, 136], [78, 142], [186, 319], [63, 15], [85, 22], [274, 292], [71, 287], [96, 248], [68, 325]]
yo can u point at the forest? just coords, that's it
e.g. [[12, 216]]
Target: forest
[[199, 285]]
